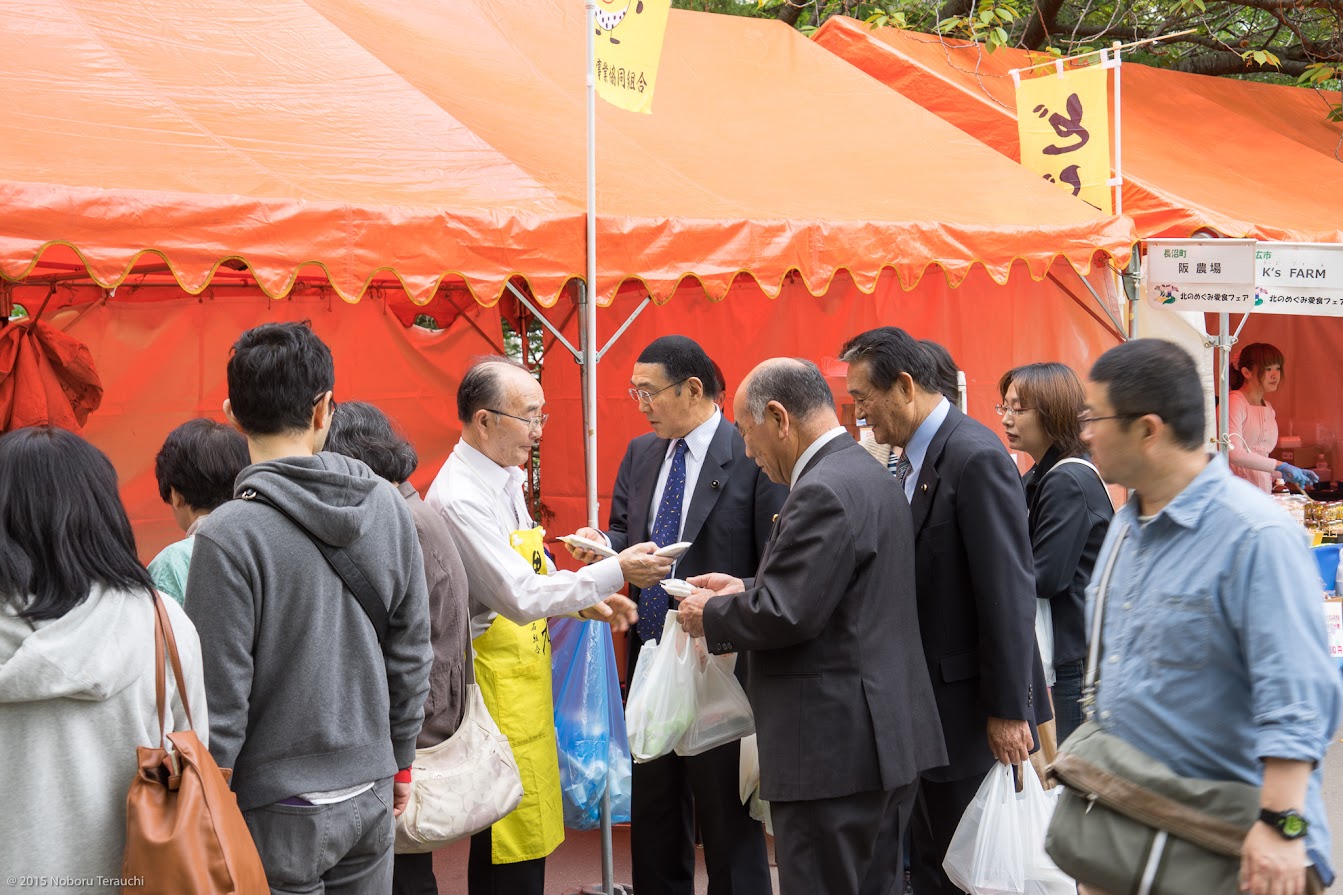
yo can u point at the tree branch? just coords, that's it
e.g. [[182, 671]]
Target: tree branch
[[1224, 63], [791, 11], [1040, 25]]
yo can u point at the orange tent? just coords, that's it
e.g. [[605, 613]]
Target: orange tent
[[437, 149], [446, 139], [1244, 159]]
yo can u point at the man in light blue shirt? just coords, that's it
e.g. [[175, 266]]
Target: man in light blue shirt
[[1214, 658]]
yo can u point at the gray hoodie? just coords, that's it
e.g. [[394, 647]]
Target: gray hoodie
[[76, 699], [302, 698]]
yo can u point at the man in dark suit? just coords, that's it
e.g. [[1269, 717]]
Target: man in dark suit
[[976, 586], [689, 480], [844, 711]]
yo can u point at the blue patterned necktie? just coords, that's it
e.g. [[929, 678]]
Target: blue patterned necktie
[[899, 467], [666, 529]]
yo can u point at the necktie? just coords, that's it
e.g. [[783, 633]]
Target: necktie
[[666, 529], [899, 468]]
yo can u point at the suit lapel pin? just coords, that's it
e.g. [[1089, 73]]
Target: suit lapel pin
[[924, 488], [776, 518], [714, 483]]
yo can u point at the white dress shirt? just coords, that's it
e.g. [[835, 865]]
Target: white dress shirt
[[482, 503], [697, 448], [811, 451]]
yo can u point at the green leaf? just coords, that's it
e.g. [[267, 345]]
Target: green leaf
[[1169, 301]]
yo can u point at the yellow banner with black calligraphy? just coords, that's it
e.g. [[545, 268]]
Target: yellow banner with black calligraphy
[[1064, 125], [629, 47]]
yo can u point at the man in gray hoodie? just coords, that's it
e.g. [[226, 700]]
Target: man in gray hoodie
[[314, 710]]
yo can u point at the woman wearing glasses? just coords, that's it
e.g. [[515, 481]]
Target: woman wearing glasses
[[1070, 511], [1252, 424]]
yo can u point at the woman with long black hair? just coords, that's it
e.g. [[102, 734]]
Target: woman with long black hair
[[77, 663]]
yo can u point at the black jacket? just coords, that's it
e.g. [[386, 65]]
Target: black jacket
[[1070, 511], [972, 555]]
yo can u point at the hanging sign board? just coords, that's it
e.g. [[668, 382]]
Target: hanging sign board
[[1201, 274], [1063, 122], [1299, 278], [629, 37]]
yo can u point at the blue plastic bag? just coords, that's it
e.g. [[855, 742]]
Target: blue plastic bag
[[589, 722]]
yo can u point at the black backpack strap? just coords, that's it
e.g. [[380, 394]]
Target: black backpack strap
[[340, 561]]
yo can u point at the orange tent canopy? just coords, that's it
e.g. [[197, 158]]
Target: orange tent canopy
[[1245, 159], [433, 140]]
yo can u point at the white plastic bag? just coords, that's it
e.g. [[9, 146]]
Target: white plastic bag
[[722, 711], [748, 783], [661, 703], [998, 847]]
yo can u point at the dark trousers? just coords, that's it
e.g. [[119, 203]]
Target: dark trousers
[[668, 794], [414, 875], [886, 873], [830, 845], [937, 811], [1067, 695], [484, 877]]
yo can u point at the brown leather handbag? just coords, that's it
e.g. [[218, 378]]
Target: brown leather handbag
[[184, 832]]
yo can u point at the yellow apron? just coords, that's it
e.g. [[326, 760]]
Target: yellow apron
[[513, 671]]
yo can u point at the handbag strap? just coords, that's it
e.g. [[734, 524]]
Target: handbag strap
[[1097, 625], [1087, 463], [345, 567], [164, 638]]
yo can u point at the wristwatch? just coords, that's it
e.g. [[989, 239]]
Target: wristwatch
[[1289, 824]]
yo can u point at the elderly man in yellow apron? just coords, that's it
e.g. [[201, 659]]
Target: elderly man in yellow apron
[[514, 587]]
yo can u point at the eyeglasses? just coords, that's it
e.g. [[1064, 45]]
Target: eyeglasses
[[1087, 420], [1005, 409], [641, 396], [533, 422]]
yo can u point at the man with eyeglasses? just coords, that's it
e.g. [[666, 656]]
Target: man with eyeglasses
[[689, 480], [1213, 658], [975, 582], [514, 587]]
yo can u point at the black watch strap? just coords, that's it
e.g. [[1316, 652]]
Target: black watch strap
[[1289, 824]]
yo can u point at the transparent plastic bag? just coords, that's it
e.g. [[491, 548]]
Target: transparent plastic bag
[[998, 847], [722, 711], [589, 723], [661, 704]]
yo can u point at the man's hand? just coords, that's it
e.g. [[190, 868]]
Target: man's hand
[[1271, 865], [691, 611], [641, 568], [617, 610], [1010, 741], [400, 798], [587, 557], [718, 582]]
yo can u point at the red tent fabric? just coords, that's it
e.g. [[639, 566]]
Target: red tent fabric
[[47, 378]]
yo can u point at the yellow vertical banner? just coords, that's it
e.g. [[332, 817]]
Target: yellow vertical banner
[[1063, 121], [629, 47]]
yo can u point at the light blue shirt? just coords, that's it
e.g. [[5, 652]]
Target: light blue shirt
[[917, 448], [1214, 652]]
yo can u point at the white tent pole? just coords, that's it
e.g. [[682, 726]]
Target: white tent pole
[[588, 325], [1224, 384]]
